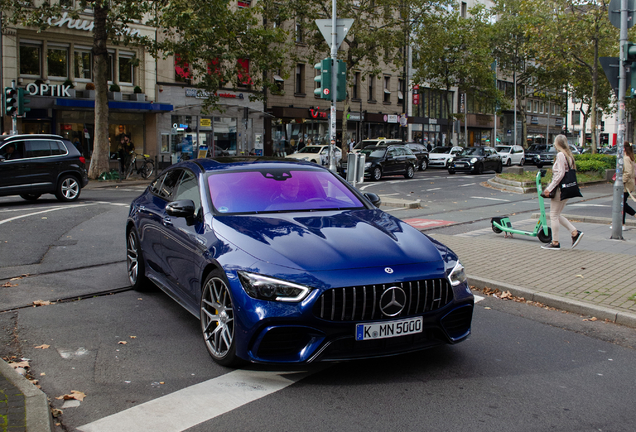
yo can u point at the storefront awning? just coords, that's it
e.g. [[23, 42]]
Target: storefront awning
[[114, 105]]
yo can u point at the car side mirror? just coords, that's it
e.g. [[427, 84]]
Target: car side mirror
[[375, 200], [181, 208]]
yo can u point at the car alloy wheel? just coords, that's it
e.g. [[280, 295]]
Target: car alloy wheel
[[377, 173], [217, 319], [68, 189], [410, 172], [135, 262], [423, 165]]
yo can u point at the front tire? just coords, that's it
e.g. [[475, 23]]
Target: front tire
[[500, 167], [496, 230], [423, 165], [30, 197], [376, 173], [217, 320], [451, 171], [543, 238], [410, 172], [68, 189], [135, 262]]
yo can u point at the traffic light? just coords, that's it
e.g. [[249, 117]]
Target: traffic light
[[10, 101], [341, 87], [323, 79], [629, 49], [22, 102]]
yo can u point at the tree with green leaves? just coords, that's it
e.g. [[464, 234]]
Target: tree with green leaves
[[454, 52]]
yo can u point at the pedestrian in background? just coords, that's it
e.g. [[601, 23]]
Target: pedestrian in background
[[628, 178], [563, 162]]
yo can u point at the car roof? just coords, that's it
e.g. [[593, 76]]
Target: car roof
[[29, 136]]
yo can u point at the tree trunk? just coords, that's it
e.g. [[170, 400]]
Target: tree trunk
[[101, 151]]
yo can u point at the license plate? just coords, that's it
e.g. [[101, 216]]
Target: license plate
[[389, 329]]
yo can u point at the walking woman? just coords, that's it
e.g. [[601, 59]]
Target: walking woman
[[628, 178], [562, 163]]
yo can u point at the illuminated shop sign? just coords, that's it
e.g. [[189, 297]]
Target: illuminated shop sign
[[315, 113], [48, 90]]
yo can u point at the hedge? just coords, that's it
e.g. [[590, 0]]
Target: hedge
[[595, 162]]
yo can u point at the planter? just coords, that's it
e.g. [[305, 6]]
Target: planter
[[115, 96], [139, 97], [89, 94]]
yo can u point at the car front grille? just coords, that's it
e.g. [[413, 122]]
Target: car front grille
[[362, 303]]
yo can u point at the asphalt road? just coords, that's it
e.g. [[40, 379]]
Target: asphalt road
[[524, 368]]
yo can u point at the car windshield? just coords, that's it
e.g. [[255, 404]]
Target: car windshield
[[503, 149], [474, 151], [309, 149], [376, 152], [279, 190], [441, 150], [551, 149], [536, 147]]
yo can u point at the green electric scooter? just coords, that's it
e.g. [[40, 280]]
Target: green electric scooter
[[541, 229]]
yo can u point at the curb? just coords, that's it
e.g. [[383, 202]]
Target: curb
[[38, 415], [570, 305], [589, 219], [520, 187], [398, 202]]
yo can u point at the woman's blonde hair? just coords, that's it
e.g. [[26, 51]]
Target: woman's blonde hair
[[561, 144]]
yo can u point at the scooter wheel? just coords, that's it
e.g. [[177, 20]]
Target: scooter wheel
[[543, 238], [496, 230]]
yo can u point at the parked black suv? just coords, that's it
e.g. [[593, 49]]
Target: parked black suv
[[388, 160], [32, 165], [421, 152]]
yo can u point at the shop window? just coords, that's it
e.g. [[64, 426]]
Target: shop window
[[82, 64], [300, 79], [126, 69], [30, 60], [387, 90], [371, 88], [243, 72], [57, 62], [181, 69]]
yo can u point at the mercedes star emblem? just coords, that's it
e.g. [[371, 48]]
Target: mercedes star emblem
[[392, 301]]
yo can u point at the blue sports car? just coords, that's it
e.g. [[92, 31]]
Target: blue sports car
[[285, 262]]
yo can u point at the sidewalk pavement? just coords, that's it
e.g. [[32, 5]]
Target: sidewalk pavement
[[595, 279]]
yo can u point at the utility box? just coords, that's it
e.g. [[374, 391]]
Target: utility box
[[355, 168]]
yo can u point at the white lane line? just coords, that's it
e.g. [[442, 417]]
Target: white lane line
[[391, 194], [428, 190], [589, 205], [43, 211], [492, 199], [479, 298], [467, 184], [196, 404]]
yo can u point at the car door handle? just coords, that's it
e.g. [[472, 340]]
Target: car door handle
[[167, 221]]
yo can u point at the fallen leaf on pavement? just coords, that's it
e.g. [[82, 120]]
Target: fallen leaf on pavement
[[122, 342], [43, 346], [42, 303], [506, 295], [77, 395], [133, 337], [9, 285], [581, 276], [21, 364], [56, 412]]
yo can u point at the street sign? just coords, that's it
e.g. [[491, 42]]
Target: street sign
[[614, 13], [611, 69], [342, 25]]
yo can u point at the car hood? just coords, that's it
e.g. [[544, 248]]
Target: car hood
[[438, 155], [328, 240], [467, 158]]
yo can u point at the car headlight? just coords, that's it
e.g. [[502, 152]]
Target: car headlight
[[450, 160], [457, 275], [367, 165], [267, 288], [473, 160]]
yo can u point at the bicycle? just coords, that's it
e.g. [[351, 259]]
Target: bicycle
[[145, 170]]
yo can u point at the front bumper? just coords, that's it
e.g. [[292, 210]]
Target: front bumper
[[462, 166], [323, 326], [437, 162]]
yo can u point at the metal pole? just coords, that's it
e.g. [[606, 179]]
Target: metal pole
[[334, 86], [617, 204], [14, 117], [466, 120], [547, 128], [514, 79]]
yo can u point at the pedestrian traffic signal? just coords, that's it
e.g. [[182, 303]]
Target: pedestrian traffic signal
[[323, 78], [22, 102], [10, 101], [341, 92]]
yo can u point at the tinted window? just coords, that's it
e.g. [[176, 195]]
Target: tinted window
[[17, 147], [441, 150], [57, 148], [37, 148], [188, 189], [169, 183]]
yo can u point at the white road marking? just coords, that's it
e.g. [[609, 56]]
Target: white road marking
[[467, 184], [66, 207], [428, 190], [589, 205], [196, 404], [492, 199]]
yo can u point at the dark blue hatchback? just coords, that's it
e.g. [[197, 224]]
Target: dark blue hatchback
[[284, 262]]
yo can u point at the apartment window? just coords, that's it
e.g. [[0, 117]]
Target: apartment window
[[529, 106], [536, 106], [356, 86], [82, 64], [541, 108], [126, 69], [244, 3], [280, 82], [400, 90], [553, 109], [387, 90], [30, 59], [243, 66], [111, 67], [300, 79], [66, 3], [576, 117], [463, 9], [57, 62], [299, 31], [371, 88]]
